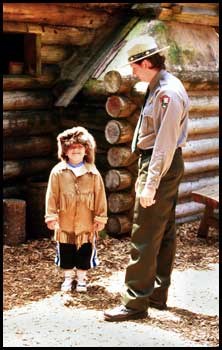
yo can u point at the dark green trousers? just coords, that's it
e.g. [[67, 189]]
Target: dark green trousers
[[153, 239]]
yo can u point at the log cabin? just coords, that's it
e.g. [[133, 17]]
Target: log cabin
[[61, 69]]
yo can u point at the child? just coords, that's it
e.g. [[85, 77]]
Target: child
[[76, 206]]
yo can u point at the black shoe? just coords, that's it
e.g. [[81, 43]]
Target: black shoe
[[122, 313], [157, 306]]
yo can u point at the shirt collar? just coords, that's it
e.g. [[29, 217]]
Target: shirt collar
[[155, 80], [90, 168]]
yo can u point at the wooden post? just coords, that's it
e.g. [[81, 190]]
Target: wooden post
[[14, 231]]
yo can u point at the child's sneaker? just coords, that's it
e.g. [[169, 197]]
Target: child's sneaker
[[81, 287], [81, 281], [67, 285]]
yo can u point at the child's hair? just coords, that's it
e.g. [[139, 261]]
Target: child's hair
[[80, 135]]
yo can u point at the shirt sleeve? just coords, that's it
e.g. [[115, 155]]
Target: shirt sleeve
[[100, 200], [52, 198], [167, 114]]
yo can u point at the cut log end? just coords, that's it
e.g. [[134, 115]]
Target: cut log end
[[112, 81]]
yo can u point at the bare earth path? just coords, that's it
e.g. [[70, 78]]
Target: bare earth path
[[37, 314]]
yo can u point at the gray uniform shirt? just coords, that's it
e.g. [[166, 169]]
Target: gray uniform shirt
[[164, 124]]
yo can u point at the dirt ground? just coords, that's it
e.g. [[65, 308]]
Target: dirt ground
[[37, 314]]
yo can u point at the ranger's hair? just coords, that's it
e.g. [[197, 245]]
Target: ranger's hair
[[157, 61], [74, 135]]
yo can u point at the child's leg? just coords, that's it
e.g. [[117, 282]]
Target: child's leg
[[66, 260], [83, 263]]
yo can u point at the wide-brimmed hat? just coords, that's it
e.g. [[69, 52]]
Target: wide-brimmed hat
[[141, 47]]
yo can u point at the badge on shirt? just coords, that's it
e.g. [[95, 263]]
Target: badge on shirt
[[164, 101]]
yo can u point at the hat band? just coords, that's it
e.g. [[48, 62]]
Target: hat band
[[141, 55]]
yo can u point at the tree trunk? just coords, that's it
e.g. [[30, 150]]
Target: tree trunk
[[17, 123], [53, 35], [119, 106], [119, 202], [27, 147], [19, 100], [118, 179], [118, 224], [14, 231], [118, 131], [120, 156], [51, 13]]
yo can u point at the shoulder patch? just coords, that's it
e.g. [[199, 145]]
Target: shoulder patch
[[164, 101]]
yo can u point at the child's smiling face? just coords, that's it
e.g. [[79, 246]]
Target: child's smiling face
[[76, 153]]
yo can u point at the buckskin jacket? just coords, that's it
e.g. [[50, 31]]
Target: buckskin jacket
[[75, 202]]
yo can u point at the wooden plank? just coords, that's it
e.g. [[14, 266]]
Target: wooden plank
[[208, 195]]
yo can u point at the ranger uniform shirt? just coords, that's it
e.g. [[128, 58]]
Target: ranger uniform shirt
[[164, 124]]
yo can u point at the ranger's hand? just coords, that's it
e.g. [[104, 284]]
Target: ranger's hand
[[147, 197]]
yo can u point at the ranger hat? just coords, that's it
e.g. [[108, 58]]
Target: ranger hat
[[141, 47]]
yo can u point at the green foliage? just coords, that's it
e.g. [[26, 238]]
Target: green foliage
[[103, 234], [175, 53]]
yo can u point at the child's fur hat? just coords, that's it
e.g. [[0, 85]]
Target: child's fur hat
[[80, 135]]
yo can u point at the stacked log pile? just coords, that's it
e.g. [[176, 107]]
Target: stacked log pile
[[200, 153]]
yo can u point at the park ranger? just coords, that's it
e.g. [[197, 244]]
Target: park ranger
[[160, 133]]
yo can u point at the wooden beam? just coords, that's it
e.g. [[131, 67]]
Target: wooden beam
[[51, 13], [94, 58]]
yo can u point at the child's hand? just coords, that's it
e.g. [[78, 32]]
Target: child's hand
[[98, 226], [52, 225]]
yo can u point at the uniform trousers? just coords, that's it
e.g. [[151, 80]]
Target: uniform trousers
[[153, 239]]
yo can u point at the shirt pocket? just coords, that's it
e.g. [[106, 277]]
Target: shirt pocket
[[147, 120]]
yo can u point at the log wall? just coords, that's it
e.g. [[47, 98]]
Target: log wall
[[31, 121]]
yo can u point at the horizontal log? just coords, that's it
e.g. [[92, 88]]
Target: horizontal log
[[115, 83], [120, 156], [186, 188], [19, 100], [51, 13], [17, 123], [120, 106], [14, 231], [200, 166], [203, 125], [207, 105], [27, 147], [17, 191], [118, 179], [95, 89], [53, 54], [186, 17], [53, 35], [118, 224], [22, 82], [189, 208], [197, 147], [118, 131], [119, 202], [26, 167]]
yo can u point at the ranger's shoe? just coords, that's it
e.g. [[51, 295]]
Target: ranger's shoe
[[122, 313], [155, 305]]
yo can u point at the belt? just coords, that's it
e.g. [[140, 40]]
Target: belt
[[145, 152]]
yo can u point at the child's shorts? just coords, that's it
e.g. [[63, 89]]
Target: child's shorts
[[68, 257]]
